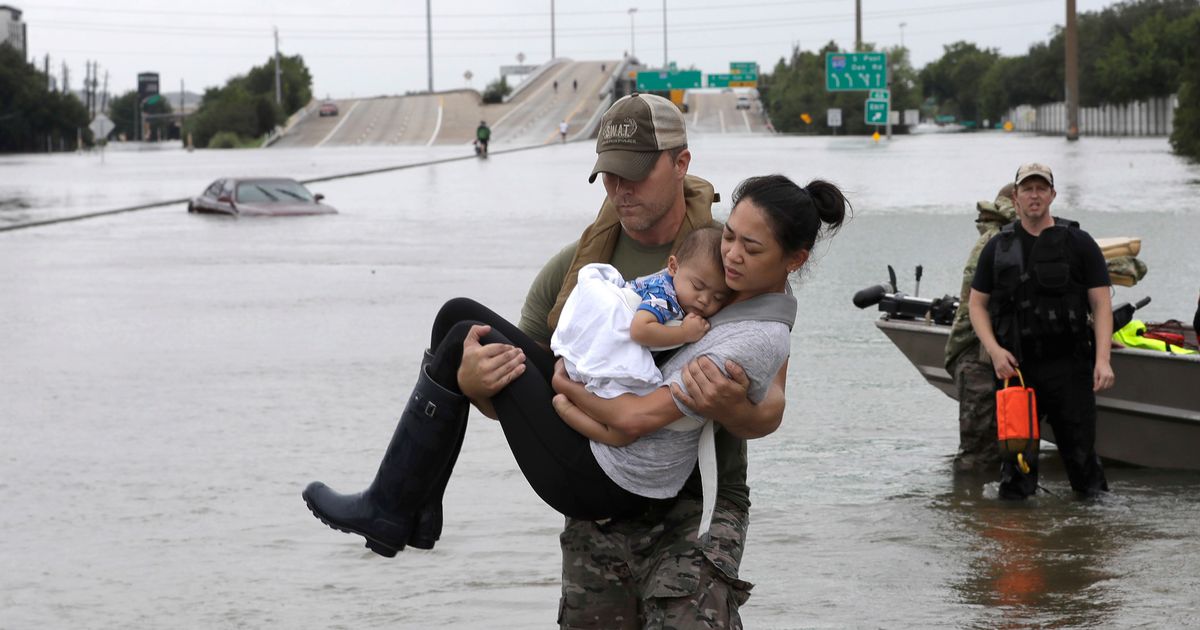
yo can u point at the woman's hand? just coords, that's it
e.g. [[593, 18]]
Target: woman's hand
[[712, 395], [726, 400]]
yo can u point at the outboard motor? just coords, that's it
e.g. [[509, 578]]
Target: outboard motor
[[899, 305]]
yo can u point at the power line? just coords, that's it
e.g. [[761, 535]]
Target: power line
[[506, 34], [415, 16]]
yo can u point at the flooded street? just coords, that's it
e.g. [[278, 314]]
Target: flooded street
[[172, 381]]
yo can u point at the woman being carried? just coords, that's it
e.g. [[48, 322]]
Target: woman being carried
[[771, 230]]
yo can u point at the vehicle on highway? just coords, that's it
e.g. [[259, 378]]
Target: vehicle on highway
[[259, 196], [743, 102], [328, 108]]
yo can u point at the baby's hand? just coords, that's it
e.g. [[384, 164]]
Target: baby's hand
[[694, 327]]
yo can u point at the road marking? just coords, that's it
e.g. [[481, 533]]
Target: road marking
[[721, 115], [746, 117], [340, 123], [438, 127], [554, 134]]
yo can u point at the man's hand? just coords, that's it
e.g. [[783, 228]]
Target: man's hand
[[1004, 363], [1102, 376], [486, 369], [694, 327], [712, 395]]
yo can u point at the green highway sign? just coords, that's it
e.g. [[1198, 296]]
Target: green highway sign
[[657, 80], [879, 95], [877, 112], [743, 67], [733, 80], [855, 71], [719, 80]]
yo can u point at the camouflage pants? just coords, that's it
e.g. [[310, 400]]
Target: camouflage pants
[[652, 572], [975, 383]]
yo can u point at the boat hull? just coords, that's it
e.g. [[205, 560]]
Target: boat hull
[[1150, 417]]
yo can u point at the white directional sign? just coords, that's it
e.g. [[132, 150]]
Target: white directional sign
[[912, 116], [833, 117], [101, 126]]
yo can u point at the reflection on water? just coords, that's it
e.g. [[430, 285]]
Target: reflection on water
[[1040, 562]]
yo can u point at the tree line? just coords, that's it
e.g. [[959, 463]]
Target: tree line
[[32, 116], [244, 109], [1127, 52]]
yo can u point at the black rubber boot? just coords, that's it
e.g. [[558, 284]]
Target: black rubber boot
[[429, 518], [423, 445]]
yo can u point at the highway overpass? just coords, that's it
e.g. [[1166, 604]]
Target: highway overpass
[[574, 91]]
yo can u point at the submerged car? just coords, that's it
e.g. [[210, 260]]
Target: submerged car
[[261, 196], [743, 102], [328, 108]]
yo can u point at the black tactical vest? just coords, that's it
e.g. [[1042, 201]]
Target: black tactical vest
[[1041, 305]]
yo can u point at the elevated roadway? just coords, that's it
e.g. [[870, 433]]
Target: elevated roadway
[[563, 90]]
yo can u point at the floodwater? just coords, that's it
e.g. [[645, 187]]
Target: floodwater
[[171, 382]]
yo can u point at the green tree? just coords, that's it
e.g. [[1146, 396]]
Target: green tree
[[496, 91], [1185, 138], [32, 116], [295, 82], [903, 81], [954, 80], [246, 106], [123, 112]]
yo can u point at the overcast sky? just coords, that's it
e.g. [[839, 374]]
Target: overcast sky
[[372, 47]]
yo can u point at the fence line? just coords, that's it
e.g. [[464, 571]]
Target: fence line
[[1152, 117]]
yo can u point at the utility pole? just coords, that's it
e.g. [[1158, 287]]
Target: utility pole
[[553, 53], [104, 105], [666, 62], [1072, 74], [182, 115], [66, 74], [429, 41], [857, 25], [87, 87], [46, 71], [278, 87]]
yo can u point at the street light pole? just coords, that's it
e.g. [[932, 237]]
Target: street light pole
[[902, 25], [632, 47], [429, 42], [553, 54]]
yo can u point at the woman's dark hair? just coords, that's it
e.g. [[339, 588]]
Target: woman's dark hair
[[795, 214]]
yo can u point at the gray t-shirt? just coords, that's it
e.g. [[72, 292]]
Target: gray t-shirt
[[658, 464]]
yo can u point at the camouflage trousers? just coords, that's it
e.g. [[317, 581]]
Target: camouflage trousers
[[975, 383], [652, 572]]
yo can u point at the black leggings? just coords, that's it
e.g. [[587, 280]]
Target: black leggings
[[556, 460]]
